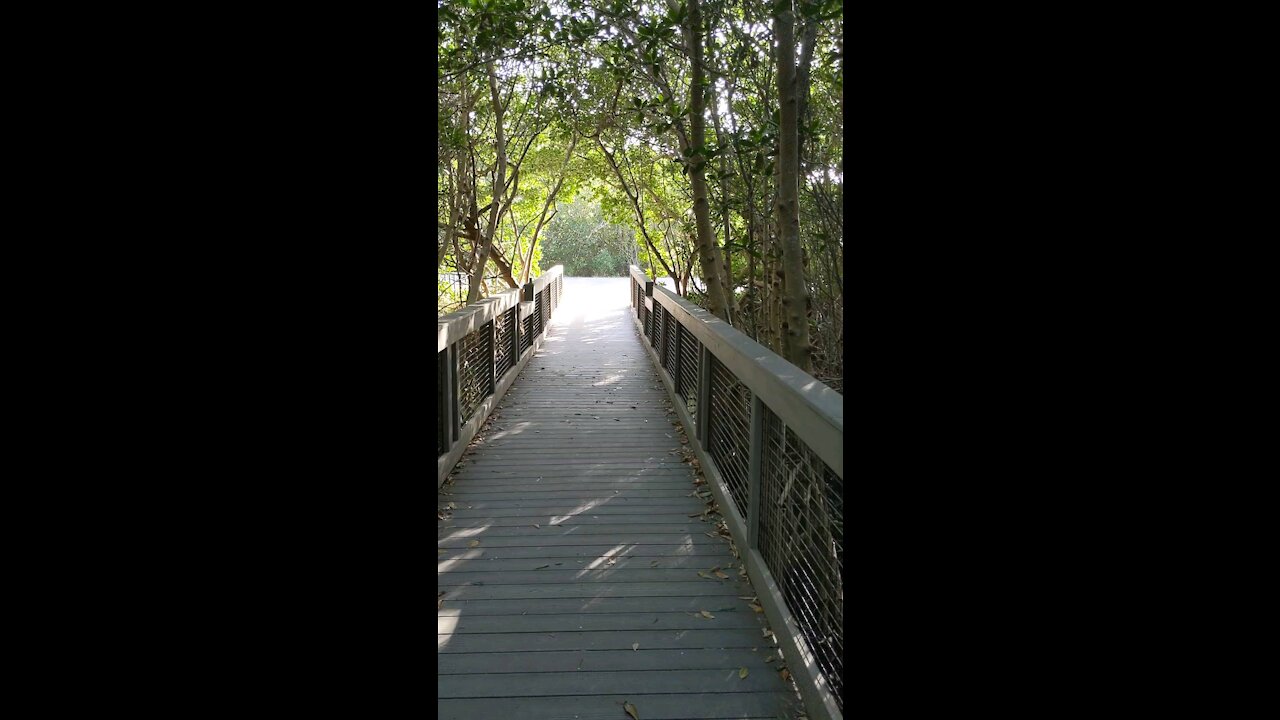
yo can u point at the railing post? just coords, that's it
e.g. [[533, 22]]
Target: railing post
[[680, 331], [755, 471], [704, 395], [513, 352], [493, 354], [451, 392]]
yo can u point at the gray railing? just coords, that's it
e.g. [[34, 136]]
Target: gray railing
[[770, 438], [480, 350]]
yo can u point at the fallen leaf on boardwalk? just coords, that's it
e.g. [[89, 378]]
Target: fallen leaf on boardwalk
[[742, 673], [698, 514], [721, 575], [542, 566], [785, 674], [771, 658], [746, 597], [631, 710], [652, 564], [707, 615], [537, 525], [765, 632], [473, 543], [635, 646], [703, 575], [757, 608]]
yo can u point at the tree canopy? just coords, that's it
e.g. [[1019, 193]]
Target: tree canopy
[[699, 139]]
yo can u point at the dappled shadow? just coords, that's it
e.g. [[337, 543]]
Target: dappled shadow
[[574, 558]]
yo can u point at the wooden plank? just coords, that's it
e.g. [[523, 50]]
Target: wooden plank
[[604, 682], [590, 552], [683, 507], [621, 561], [471, 534], [473, 475], [597, 660], [732, 613], [587, 590], [562, 539], [583, 518], [720, 706], [615, 506], [500, 507], [607, 605], [598, 640], [583, 493], [554, 575]]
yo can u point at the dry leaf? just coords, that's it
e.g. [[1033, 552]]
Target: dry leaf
[[703, 575], [785, 674], [757, 608], [537, 525], [742, 673], [721, 575], [707, 615], [635, 646], [631, 710], [473, 543], [771, 658], [542, 566]]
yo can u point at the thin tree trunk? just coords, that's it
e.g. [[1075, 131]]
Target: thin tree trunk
[[722, 146], [499, 183], [712, 260], [796, 347], [543, 219]]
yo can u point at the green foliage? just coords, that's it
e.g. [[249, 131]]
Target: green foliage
[[585, 243]]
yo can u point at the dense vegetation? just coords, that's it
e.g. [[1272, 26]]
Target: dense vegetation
[[699, 139]]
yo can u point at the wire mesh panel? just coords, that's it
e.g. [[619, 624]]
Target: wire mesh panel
[[728, 434], [475, 370], [802, 542], [687, 383], [506, 335], [442, 412], [526, 337], [670, 350], [655, 337]]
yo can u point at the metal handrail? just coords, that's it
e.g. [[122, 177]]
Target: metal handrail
[[779, 390], [463, 327]]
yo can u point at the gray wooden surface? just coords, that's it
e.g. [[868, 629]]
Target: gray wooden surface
[[570, 555]]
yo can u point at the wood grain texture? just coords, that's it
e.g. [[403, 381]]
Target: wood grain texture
[[572, 542]]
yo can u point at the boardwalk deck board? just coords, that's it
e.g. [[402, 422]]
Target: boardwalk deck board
[[537, 621]]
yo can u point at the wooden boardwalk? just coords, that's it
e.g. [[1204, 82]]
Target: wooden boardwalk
[[568, 556]]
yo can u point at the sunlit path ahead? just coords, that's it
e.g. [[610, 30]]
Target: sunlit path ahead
[[577, 571]]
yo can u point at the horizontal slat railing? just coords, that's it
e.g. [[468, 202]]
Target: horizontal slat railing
[[771, 440], [480, 350]]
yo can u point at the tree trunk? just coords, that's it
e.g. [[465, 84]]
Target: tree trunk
[[499, 184], [709, 255], [795, 326], [542, 219]]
